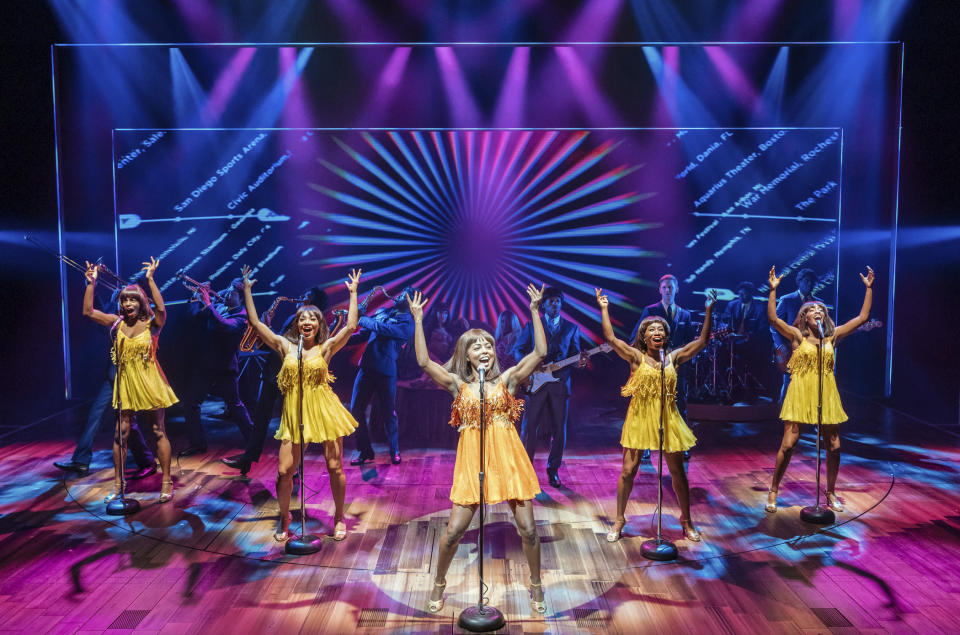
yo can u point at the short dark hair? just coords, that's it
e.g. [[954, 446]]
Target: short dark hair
[[807, 272], [319, 297], [668, 276], [552, 292], [748, 286]]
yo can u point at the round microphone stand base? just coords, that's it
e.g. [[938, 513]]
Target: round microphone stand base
[[481, 619], [818, 515], [662, 550], [304, 545], [123, 506]]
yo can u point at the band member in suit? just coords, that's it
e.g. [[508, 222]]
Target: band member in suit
[[681, 333], [551, 403], [787, 309], [812, 381], [269, 391], [217, 368], [386, 332], [748, 324]]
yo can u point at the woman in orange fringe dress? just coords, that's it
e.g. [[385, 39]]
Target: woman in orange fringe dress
[[508, 473]]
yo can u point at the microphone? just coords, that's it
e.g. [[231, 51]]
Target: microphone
[[481, 371], [300, 346], [662, 358], [820, 328]]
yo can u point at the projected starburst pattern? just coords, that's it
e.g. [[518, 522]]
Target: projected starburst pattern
[[470, 217]]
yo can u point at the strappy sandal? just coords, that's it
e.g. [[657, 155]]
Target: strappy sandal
[[435, 606], [689, 531], [540, 606], [166, 497], [833, 502], [614, 534], [771, 507], [339, 534]]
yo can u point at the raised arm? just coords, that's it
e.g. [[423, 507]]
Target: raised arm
[[851, 326], [339, 339], [621, 348], [788, 331], [106, 319], [159, 311], [690, 350], [523, 369], [271, 339], [440, 375]]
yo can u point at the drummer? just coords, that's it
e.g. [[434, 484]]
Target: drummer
[[746, 319], [681, 332]]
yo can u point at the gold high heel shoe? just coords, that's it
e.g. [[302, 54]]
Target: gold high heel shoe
[[771, 507], [689, 531], [166, 497], [540, 606], [833, 502], [614, 534], [435, 606]]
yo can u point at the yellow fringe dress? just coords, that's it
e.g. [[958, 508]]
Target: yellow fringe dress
[[800, 402], [324, 417], [509, 474], [140, 383], [641, 428]]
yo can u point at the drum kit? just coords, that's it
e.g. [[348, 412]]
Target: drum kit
[[723, 372]]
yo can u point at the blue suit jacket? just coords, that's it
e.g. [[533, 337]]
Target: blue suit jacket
[[562, 343], [681, 326], [754, 320], [389, 331]]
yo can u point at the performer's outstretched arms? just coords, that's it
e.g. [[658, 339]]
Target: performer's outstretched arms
[[106, 319], [338, 340], [621, 348], [516, 375], [692, 348], [788, 331], [271, 339], [440, 375], [847, 328], [159, 311]]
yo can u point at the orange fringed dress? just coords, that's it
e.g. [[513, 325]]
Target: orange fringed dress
[[800, 402], [140, 382], [641, 428], [324, 417], [509, 474]]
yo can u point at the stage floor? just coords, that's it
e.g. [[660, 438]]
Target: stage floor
[[207, 562]]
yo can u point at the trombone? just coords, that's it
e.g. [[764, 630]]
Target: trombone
[[105, 276], [195, 286]]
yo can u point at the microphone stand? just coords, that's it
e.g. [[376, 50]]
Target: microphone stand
[[306, 543], [481, 618], [817, 514], [121, 505], [660, 549]]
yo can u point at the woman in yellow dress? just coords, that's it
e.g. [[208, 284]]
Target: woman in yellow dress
[[140, 386], [508, 473], [325, 420], [641, 428], [800, 402]]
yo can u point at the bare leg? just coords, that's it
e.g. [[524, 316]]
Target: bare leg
[[289, 457], [163, 448], [681, 487], [120, 447], [791, 434], [831, 441], [527, 528], [460, 517], [333, 453], [631, 463]]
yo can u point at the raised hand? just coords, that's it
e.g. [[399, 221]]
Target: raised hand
[[354, 280], [416, 304], [245, 272], [867, 279], [711, 299], [536, 295], [773, 278], [150, 267], [93, 270], [601, 298]]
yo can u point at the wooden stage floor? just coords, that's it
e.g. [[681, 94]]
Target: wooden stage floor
[[207, 563]]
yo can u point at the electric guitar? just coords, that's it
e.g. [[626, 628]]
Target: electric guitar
[[782, 355], [544, 374]]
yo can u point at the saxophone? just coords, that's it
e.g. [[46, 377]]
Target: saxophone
[[251, 339]]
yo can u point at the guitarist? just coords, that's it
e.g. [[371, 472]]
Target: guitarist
[[787, 309], [681, 333], [550, 404]]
